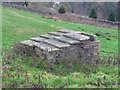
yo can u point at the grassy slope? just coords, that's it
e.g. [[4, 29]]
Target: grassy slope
[[17, 28]]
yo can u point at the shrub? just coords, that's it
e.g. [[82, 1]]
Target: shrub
[[72, 11], [93, 13], [111, 17], [25, 4], [62, 9]]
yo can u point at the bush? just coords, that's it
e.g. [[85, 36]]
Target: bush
[[72, 11], [25, 4], [62, 9], [93, 13], [111, 17]]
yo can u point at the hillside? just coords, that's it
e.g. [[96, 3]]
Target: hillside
[[34, 24], [103, 8], [79, 15], [81, 8], [19, 25]]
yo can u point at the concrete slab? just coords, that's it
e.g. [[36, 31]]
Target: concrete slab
[[38, 39], [28, 42], [67, 40], [56, 43], [55, 33], [92, 37], [46, 47], [47, 36], [68, 31], [77, 36]]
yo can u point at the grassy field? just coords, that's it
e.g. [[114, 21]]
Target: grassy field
[[19, 25]]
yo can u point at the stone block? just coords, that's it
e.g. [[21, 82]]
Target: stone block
[[38, 39], [56, 43], [76, 36], [47, 36], [66, 40], [45, 47], [55, 33], [68, 31]]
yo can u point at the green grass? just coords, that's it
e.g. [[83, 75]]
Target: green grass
[[18, 25], [19, 28]]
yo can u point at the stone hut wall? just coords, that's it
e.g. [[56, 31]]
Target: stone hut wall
[[64, 45]]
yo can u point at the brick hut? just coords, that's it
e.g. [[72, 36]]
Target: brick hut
[[62, 45]]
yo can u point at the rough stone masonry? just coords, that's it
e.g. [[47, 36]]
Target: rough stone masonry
[[63, 45]]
